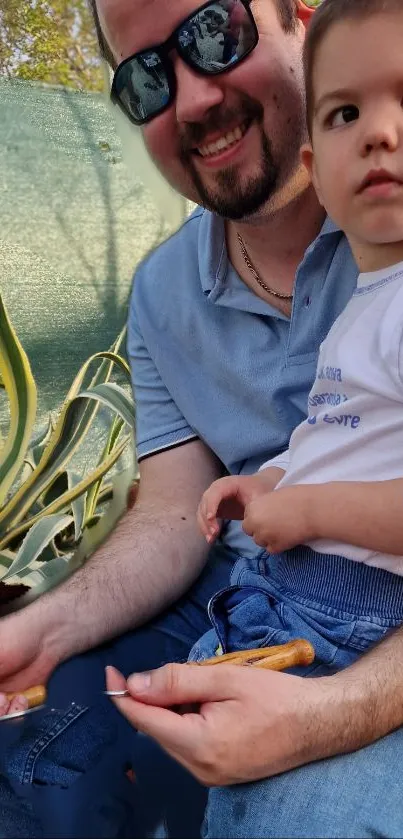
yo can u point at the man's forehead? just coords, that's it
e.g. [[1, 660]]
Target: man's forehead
[[130, 25]]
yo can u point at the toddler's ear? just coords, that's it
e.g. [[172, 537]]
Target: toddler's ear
[[308, 159]]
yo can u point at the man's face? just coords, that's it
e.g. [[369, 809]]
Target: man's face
[[258, 107], [358, 128]]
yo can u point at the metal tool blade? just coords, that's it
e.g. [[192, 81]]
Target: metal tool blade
[[116, 693], [18, 714]]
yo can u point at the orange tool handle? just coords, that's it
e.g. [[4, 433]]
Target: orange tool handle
[[295, 653], [35, 695]]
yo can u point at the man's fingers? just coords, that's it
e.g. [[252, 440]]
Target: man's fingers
[[177, 734], [178, 684], [19, 703], [114, 679], [4, 704]]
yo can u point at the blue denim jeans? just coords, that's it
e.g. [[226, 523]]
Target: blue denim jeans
[[343, 608], [64, 769]]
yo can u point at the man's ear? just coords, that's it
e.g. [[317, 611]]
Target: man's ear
[[304, 12], [308, 159]]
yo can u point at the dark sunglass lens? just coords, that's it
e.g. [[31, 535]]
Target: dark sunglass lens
[[218, 36], [142, 86]]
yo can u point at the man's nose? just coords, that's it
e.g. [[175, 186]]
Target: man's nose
[[196, 94], [381, 133]]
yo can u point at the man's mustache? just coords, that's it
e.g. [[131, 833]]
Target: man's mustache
[[220, 121]]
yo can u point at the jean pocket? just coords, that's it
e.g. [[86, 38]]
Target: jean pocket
[[205, 647], [61, 747], [338, 637], [247, 617]]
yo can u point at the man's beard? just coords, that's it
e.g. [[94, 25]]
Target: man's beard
[[232, 198]]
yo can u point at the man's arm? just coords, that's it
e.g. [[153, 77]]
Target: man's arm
[[151, 558], [287, 721]]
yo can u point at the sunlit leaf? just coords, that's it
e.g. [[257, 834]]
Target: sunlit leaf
[[36, 541], [19, 383]]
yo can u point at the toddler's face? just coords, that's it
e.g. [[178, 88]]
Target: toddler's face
[[358, 127]]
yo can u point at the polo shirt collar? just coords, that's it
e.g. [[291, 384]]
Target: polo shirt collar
[[328, 227], [213, 257]]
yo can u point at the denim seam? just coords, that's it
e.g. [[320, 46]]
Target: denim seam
[[40, 745]]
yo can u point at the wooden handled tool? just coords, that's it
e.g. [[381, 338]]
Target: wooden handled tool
[[295, 653], [35, 695]]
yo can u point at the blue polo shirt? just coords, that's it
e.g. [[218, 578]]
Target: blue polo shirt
[[210, 360]]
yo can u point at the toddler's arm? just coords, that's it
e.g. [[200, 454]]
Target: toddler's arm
[[366, 514]]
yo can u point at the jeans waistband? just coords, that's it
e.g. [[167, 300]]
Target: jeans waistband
[[338, 582]]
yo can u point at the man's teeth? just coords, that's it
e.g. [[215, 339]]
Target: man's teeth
[[224, 142]]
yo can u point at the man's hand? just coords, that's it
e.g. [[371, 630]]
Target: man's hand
[[238, 724], [25, 656], [280, 520], [228, 497]]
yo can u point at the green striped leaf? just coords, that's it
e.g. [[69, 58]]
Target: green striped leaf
[[115, 398], [6, 560], [47, 574], [94, 536], [93, 494], [64, 502], [16, 376], [78, 504], [38, 444], [70, 430], [35, 542]]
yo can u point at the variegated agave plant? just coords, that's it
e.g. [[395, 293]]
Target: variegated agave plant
[[52, 519]]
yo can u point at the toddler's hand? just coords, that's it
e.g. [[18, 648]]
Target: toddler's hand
[[227, 499], [280, 520]]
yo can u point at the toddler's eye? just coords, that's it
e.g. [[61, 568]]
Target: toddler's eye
[[342, 116]]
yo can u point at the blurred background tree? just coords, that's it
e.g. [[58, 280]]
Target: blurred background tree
[[50, 41]]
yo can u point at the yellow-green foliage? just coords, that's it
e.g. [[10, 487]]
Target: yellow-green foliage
[[50, 41]]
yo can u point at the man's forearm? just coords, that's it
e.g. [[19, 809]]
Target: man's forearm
[[358, 705], [148, 562]]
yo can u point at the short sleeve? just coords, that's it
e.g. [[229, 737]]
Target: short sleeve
[[159, 422], [280, 462]]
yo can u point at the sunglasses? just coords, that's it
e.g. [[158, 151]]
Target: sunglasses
[[214, 39]]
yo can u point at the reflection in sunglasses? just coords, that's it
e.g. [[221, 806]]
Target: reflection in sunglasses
[[212, 40]]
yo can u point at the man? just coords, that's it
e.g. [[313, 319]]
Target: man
[[223, 346]]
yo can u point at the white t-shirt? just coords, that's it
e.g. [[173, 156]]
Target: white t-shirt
[[354, 430]]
